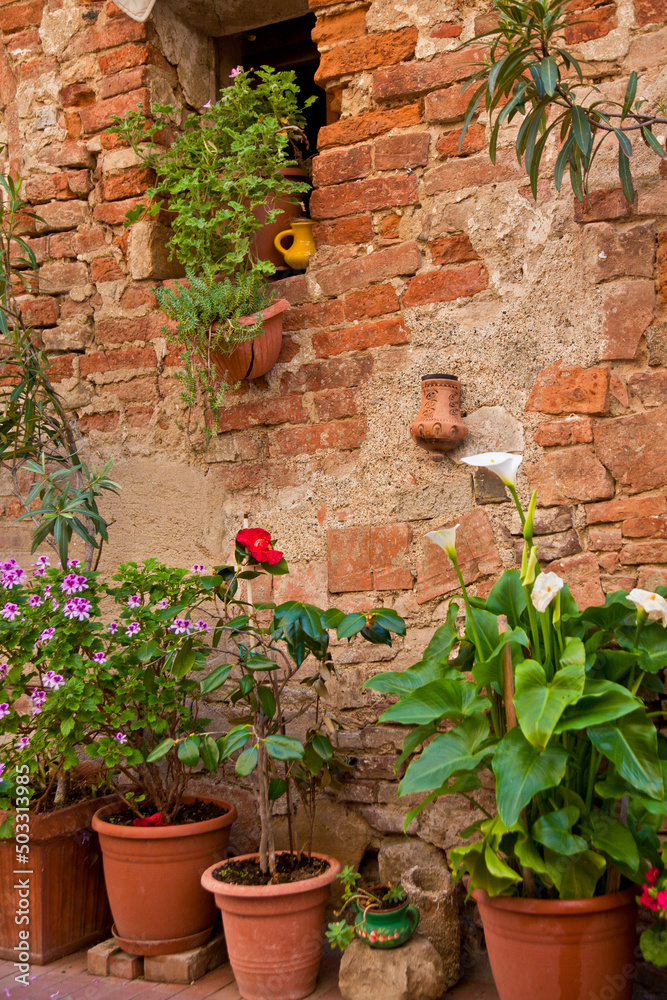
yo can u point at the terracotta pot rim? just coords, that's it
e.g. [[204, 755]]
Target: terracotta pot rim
[[279, 306], [557, 907], [264, 891], [165, 832]]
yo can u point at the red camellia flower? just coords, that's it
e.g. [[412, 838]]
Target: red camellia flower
[[157, 819], [258, 543]]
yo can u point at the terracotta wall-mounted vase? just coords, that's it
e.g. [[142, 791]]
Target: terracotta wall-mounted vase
[[439, 425]]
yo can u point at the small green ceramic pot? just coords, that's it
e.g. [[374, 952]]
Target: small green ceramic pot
[[386, 928]]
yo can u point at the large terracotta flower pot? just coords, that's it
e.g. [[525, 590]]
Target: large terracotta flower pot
[[274, 933], [256, 357], [439, 426], [68, 903], [153, 879], [564, 949], [263, 245]]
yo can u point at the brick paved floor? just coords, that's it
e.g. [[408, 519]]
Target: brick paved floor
[[67, 979]]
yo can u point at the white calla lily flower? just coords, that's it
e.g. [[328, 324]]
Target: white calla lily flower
[[503, 464], [653, 604], [446, 539], [546, 586]]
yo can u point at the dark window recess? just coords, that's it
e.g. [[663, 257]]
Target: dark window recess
[[285, 45]]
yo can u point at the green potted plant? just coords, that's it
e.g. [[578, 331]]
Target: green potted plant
[[224, 176], [653, 940], [272, 902], [383, 915], [126, 687], [547, 696]]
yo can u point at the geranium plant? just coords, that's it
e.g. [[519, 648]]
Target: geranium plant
[[551, 705], [218, 175]]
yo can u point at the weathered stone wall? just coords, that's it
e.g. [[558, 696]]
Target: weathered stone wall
[[428, 260]]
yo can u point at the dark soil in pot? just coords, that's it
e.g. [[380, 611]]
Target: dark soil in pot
[[289, 868], [193, 812]]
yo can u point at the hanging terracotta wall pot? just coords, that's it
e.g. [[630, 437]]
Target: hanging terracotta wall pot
[[153, 879], [439, 425], [561, 949], [263, 245], [256, 357], [69, 909]]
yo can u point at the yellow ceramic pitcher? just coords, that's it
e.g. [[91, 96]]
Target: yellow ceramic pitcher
[[302, 247]]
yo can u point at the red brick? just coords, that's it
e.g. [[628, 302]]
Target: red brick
[[628, 309], [403, 259], [119, 331], [58, 216], [359, 128], [139, 416], [358, 338], [634, 449], [605, 539], [582, 574], [7, 79], [414, 78], [34, 68], [374, 301], [476, 552], [618, 253], [606, 203], [454, 249], [61, 367], [23, 43], [66, 154], [114, 214], [244, 476], [294, 289], [73, 244], [77, 95], [316, 314], [570, 389], [652, 577], [288, 350], [574, 474], [445, 30], [124, 82], [97, 116], [38, 310], [472, 171], [558, 433], [18, 16], [105, 269], [105, 422], [130, 55], [625, 508], [344, 231], [107, 361], [645, 527], [137, 390], [337, 403], [369, 52], [115, 33], [650, 387], [644, 552], [349, 551], [341, 165], [62, 186], [445, 286], [341, 435], [340, 27], [650, 11], [137, 296], [284, 410], [128, 184], [594, 23], [408, 149], [338, 373], [446, 105], [362, 196], [389, 556], [55, 278]]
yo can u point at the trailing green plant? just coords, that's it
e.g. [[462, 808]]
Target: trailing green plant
[[38, 441], [547, 697], [218, 173], [529, 77]]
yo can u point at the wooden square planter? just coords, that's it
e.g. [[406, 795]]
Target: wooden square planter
[[69, 909]]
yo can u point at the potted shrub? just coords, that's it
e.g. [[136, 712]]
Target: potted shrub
[[273, 902], [227, 173], [129, 691], [383, 915], [47, 800], [547, 696]]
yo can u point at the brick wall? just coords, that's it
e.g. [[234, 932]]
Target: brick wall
[[429, 259]]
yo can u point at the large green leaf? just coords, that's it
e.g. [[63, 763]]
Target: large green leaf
[[461, 749], [554, 831], [614, 839], [508, 597], [284, 747], [575, 877], [521, 771], [487, 871], [404, 681], [539, 703], [188, 751], [448, 699], [631, 744], [487, 668], [601, 702], [246, 762], [653, 646]]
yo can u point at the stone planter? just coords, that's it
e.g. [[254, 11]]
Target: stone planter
[[432, 891]]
